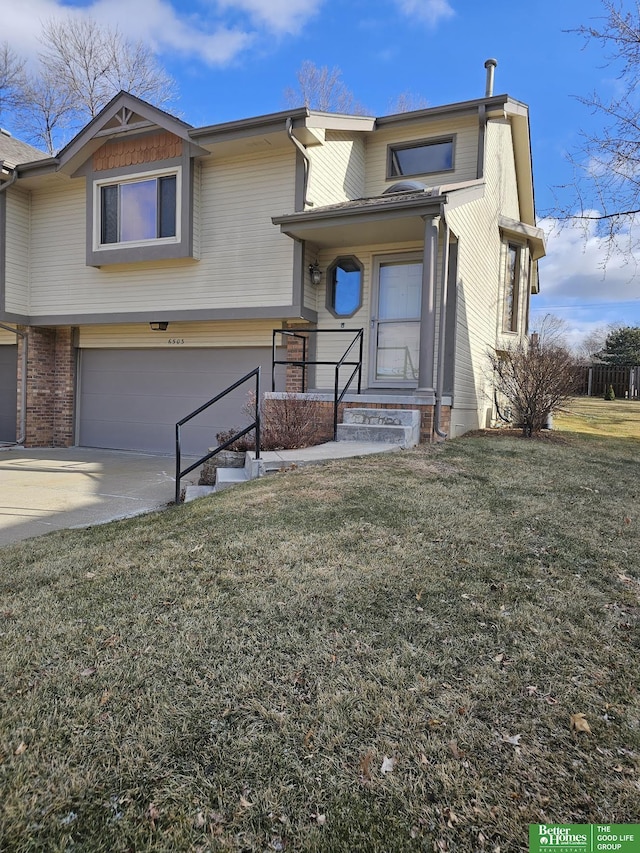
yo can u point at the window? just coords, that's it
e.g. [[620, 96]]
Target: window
[[137, 210], [344, 282], [512, 288], [420, 158]]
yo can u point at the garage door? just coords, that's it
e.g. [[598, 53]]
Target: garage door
[[131, 399], [8, 391]]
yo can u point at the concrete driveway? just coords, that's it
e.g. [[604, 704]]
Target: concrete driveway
[[47, 489]]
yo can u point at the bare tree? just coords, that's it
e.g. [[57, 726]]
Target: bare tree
[[588, 348], [11, 78], [407, 102], [323, 89], [606, 185], [47, 114], [535, 376], [83, 64]]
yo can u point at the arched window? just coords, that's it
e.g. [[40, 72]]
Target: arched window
[[344, 286]]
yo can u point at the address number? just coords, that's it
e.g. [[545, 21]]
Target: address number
[[175, 341]]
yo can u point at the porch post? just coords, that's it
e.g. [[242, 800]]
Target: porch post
[[428, 313]]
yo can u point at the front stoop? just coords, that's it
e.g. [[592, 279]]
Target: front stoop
[[390, 426], [228, 477]]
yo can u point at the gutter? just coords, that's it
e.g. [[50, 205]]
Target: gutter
[[307, 161]]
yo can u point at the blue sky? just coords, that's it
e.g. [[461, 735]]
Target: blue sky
[[234, 58]]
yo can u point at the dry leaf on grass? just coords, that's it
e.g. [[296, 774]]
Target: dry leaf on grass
[[387, 765], [90, 670], [245, 804], [152, 812], [458, 754], [20, 749], [514, 740], [365, 765], [578, 723]]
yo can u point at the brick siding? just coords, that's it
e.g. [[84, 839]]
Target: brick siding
[[51, 377], [323, 423]]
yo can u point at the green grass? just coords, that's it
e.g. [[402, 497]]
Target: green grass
[[231, 674], [595, 416]]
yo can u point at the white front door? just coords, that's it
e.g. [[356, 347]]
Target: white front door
[[395, 322]]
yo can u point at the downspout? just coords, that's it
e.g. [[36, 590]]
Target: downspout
[[442, 326], [23, 335], [307, 161]]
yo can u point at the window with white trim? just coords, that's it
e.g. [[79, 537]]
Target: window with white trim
[[138, 210]]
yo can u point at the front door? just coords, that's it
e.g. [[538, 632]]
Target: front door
[[395, 323]]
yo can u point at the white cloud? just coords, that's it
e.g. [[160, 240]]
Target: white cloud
[[281, 16], [581, 283], [215, 37], [429, 11], [577, 266]]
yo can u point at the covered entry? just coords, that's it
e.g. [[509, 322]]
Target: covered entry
[[8, 391], [130, 399]]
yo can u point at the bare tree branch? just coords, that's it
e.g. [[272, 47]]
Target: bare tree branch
[[322, 89], [606, 184], [11, 78]]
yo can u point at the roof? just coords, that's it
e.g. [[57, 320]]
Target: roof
[[13, 151]]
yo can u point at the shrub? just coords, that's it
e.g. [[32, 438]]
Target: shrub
[[610, 394], [534, 376], [286, 423]]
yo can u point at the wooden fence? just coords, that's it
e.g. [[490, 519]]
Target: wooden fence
[[594, 381]]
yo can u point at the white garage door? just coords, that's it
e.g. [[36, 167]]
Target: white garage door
[[8, 391], [131, 399]]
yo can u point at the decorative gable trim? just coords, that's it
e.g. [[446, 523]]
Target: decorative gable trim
[[123, 152]]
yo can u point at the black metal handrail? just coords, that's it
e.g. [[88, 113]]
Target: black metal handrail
[[255, 425], [342, 362]]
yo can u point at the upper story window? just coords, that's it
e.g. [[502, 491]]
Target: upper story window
[[137, 210], [420, 158], [344, 282], [512, 288]]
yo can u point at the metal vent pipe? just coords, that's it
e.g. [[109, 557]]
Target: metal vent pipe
[[490, 65]]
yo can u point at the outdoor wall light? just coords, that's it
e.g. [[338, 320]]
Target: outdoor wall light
[[159, 327], [315, 273]]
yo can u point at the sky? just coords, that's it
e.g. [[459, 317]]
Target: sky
[[234, 59]]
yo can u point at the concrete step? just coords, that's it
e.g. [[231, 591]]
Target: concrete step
[[193, 492], [392, 426], [226, 478], [386, 434]]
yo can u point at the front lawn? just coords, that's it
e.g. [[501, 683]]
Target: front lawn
[[378, 655]]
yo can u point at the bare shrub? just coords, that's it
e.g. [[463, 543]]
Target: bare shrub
[[534, 376], [287, 422]]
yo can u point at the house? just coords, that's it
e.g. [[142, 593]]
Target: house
[[144, 268]]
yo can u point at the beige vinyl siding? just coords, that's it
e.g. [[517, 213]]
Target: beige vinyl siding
[[479, 253], [481, 264], [17, 252], [500, 168], [465, 131], [337, 169], [197, 207], [245, 261], [7, 338], [178, 335], [311, 291]]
